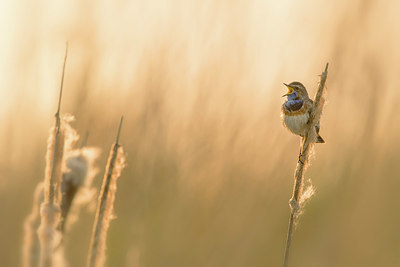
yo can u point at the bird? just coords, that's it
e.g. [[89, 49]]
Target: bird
[[296, 110]]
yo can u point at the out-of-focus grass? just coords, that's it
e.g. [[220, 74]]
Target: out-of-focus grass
[[209, 169]]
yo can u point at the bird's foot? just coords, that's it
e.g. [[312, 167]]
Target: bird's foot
[[300, 159]]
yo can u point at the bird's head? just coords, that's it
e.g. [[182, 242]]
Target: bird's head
[[296, 91]]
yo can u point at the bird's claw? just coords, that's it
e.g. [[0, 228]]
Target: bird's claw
[[300, 159]]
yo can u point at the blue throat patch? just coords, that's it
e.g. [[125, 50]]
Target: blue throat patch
[[292, 96], [293, 104]]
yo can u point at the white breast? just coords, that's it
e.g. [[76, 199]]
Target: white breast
[[297, 123]]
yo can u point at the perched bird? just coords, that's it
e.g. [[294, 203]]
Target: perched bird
[[296, 110]]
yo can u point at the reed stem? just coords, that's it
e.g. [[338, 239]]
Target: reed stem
[[51, 189], [306, 145], [96, 255], [50, 208]]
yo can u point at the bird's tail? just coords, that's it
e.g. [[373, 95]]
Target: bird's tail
[[320, 139]]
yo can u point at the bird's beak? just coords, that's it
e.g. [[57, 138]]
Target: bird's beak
[[289, 88]]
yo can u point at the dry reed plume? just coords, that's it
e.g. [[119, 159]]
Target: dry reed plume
[[31, 248], [299, 195], [50, 208], [76, 191], [75, 188], [68, 178], [76, 182], [104, 212]]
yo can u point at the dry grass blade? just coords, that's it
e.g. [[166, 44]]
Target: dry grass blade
[[306, 145], [49, 196], [96, 257], [50, 209]]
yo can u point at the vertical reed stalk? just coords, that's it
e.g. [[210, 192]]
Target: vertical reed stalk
[[31, 246], [49, 196], [50, 209], [96, 257], [306, 145]]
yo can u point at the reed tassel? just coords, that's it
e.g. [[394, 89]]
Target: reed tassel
[[50, 209], [104, 213], [31, 247], [76, 182]]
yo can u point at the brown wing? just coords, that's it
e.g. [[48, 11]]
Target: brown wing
[[317, 126]]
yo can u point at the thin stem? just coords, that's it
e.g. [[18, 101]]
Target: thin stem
[[57, 131], [62, 78], [306, 144], [119, 130], [288, 240], [96, 249], [50, 208]]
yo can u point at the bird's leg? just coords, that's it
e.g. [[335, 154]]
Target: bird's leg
[[301, 148]]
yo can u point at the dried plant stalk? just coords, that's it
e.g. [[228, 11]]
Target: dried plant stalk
[[104, 213], [306, 146], [50, 209], [75, 192], [31, 246]]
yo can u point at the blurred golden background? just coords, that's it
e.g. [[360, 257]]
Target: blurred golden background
[[209, 165]]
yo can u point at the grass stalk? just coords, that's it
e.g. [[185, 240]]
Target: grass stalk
[[31, 247], [50, 209], [305, 148], [104, 212], [49, 196]]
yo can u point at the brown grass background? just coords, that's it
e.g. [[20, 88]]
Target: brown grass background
[[209, 166]]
